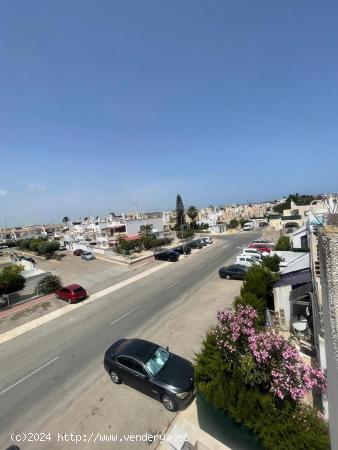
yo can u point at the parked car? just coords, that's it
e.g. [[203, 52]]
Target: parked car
[[62, 247], [78, 252], [202, 241], [88, 256], [207, 239], [167, 255], [186, 250], [32, 260], [152, 370], [26, 258], [72, 293], [263, 224], [261, 247], [244, 260], [254, 252], [235, 272], [248, 226], [195, 244], [263, 241]]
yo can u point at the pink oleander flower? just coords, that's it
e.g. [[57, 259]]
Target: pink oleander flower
[[289, 375]]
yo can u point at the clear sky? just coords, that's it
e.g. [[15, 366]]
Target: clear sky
[[119, 105]]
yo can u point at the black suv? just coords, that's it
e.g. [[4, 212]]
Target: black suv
[[183, 249], [235, 272], [152, 370], [195, 244], [167, 255]]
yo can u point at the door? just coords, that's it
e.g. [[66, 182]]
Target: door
[[125, 368], [143, 381], [64, 294], [234, 273], [133, 374]]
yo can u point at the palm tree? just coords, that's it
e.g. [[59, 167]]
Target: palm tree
[[65, 220], [145, 231], [192, 213]]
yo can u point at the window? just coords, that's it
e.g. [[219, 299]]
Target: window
[[125, 362], [131, 364], [157, 361]]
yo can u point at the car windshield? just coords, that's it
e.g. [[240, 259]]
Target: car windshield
[[157, 361]]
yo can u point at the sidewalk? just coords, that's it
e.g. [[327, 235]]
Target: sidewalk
[[25, 305], [201, 427], [185, 428]]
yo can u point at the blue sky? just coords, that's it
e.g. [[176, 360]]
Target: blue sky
[[117, 105]]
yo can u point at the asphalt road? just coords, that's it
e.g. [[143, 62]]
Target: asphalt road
[[39, 369]]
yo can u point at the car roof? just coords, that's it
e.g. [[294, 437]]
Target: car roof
[[73, 286], [236, 266], [136, 348]]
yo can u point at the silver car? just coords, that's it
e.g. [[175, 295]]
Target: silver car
[[87, 256], [208, 240]]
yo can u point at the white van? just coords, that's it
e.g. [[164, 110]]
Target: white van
[[245, 260], [248, 226]]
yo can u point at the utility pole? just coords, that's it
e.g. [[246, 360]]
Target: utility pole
[[182, 237]]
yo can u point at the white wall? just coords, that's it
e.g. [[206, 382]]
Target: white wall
[[281, 296]]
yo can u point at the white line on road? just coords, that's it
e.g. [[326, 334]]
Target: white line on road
[[29, 375], [126, 314], [172, 285]]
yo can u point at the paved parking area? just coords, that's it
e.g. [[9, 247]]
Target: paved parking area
[[92, 275]]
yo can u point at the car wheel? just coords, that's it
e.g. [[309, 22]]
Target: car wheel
[[228, 277], [169, 403], [69, 301], [115, 377]]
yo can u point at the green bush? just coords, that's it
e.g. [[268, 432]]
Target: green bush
[[34, 243], [283, 243], [279, 425], [233, 224], [125, 247], [152, 243], [272, 262], [25, 244], [11, 280], [185, 234], [259, 281], [48, 284], [48, 247]]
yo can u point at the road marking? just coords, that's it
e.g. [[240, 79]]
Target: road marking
[[124, 315], [29, 375], [172, 285], [8, 335]]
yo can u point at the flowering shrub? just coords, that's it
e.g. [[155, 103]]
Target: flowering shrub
[[275, 363]]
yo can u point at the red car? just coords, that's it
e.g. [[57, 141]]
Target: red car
[[78, 252], [71, 293], [260, 247]]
